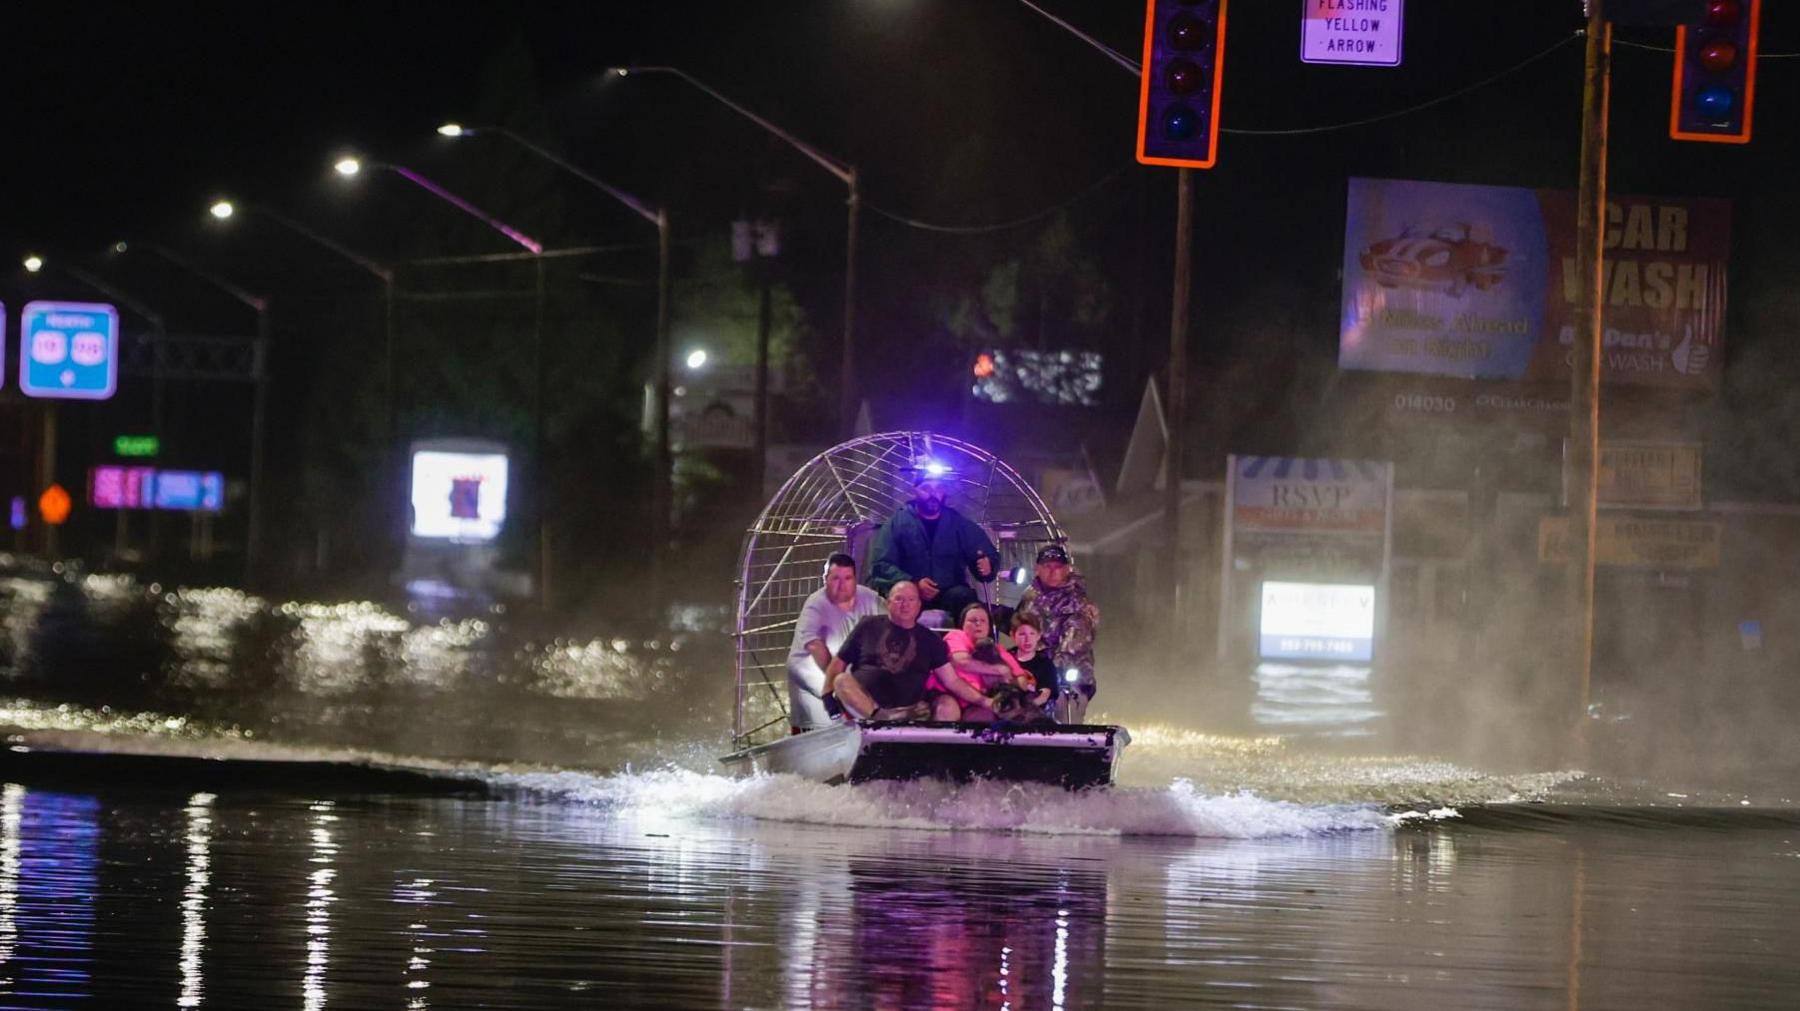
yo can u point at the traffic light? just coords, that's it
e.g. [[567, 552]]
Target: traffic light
[[1178, 100], [1715, 73]]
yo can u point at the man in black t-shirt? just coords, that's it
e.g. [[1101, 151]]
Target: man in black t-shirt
[[881, 669]]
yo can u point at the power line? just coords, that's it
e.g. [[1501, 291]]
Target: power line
[[1409, 110], [1670, 49], [1003, 225], [1242, 131]]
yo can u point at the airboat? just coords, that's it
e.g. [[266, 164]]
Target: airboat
[[835, 503]]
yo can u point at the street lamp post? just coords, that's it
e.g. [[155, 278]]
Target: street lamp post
[[259, 370], [351, 166], [846, 174], [224, 210], [662, 495]]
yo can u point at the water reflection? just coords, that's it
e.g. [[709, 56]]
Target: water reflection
[[12, 805], [50, 882], [255, 901], [319, 897], [969, 923], [193, 897], [1334, 700], [420, 894]]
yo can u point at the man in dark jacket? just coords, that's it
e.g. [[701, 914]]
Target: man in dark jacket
[[933, 545]]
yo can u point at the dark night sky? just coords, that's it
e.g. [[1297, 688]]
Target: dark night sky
[[125, 119]]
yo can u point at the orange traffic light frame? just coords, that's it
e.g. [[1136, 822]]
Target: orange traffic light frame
[[1212, 120], [1675, 92]]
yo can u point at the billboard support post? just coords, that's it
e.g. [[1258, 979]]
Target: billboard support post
[[1584, 379]]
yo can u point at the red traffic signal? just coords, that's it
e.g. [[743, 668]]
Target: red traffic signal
[[1715, 73], [1178, 97]]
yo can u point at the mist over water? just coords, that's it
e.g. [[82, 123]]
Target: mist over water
[[103, 662]]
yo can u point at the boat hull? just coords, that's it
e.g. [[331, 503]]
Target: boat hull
[[1074, 757]]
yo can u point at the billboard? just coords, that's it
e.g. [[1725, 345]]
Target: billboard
[[112, 486], [1633, 543], [1302, 522], [1295, 495], [1317, 621], [1479, 282], [458, 495], [1649, 475]]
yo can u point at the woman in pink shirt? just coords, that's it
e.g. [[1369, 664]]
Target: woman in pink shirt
[[980, 661]]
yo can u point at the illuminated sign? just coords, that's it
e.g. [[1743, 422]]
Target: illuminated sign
[[136, 445], [458, 496], [1068, 377], [69, 350], [1363, 32], [190, 490], [116, 487], [1317, 621], [1299, 495]]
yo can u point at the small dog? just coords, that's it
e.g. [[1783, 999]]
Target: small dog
[[1014, 705]]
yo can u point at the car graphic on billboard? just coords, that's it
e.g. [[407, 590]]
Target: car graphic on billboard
[[1448, 258]]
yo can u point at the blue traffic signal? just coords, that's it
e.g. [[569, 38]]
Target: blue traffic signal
[[1178, 98], [1715, 73]]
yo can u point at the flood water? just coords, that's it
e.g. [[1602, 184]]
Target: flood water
[[685, 891], [600, 861]]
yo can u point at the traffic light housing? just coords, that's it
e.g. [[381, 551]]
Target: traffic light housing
[[1715, 73], [1178, 97]]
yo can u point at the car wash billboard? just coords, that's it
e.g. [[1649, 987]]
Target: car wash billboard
[[1480, 282]]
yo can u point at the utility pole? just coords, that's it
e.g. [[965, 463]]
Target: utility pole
[[847, 391], [1177, 379], [765, 319], [1584, 379]]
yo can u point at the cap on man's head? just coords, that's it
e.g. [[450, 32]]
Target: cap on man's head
[[1053, 553]]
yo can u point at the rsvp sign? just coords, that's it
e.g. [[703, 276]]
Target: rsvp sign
[[69, 350]]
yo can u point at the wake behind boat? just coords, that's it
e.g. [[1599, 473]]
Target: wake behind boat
[[834, 504]]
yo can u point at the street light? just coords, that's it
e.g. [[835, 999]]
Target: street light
[[696, 359], [350, 166], [35, 264], [662, 493], [223, 209], [259, 370], [846, 174]]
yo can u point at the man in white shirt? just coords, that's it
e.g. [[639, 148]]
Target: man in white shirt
[[825, 622]]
